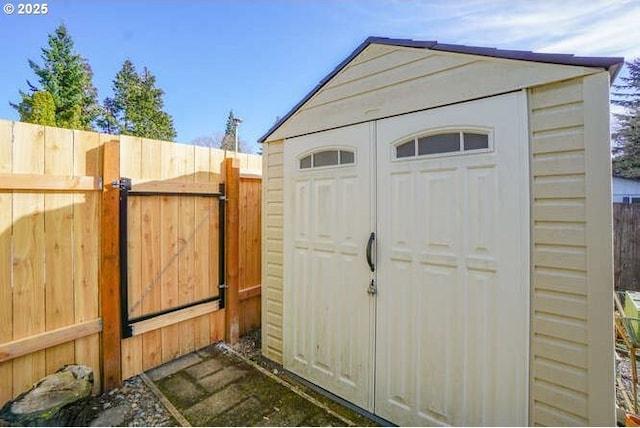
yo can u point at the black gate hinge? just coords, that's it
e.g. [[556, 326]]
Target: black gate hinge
[[122, 183]]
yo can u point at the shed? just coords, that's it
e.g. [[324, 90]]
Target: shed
[[437, 225]]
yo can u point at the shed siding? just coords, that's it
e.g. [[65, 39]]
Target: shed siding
[[272, 250], [599, 251], [389, 80], [566, 165]]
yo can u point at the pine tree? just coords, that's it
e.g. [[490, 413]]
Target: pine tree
[[626, 151], [136, 107], [66, 76]]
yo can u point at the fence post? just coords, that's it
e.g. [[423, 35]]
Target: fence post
[[110, 269], [232, 250]]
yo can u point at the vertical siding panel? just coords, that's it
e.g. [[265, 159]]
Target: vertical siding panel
[[272, 256], [601, 391], [571, 168]]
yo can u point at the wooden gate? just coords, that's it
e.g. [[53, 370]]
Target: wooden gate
[[176, 261], [60, 259]]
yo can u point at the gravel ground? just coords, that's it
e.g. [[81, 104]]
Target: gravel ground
[[135, 405], [623, 373]]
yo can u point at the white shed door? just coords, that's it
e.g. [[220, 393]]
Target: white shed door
[[452, 270], [328, 314], [445, 339]]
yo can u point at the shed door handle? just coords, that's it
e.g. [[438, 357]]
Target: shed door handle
[[372, 238]]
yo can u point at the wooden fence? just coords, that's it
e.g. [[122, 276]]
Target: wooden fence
[[60, 253], [626, 246], [250, 263]]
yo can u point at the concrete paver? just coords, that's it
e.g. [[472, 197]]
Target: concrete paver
[[214, 387], [174, 366], [245, 413], [204, 368], [184, 392], [214, 405], [221, 378]]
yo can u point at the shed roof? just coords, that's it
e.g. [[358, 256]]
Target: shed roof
[[611, 64]]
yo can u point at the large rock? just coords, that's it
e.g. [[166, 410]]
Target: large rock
[[52, 401]]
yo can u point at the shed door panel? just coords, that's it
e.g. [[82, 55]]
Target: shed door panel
[[328, 314], [451, 337]]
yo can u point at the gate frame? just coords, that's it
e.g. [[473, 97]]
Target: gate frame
[[123, 184], [110, 277]]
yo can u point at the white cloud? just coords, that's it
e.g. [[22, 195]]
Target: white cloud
[[588, 28]]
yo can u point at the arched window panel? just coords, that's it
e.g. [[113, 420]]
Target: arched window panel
[[327, 158], [305, 162], [406, 150], [347, 157], [450, 142], [439, 143], [474, 141]]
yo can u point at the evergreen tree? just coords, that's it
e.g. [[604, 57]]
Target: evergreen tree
[[42, 109], [228, 141], [626, 150], [66, 76], [136, 107]]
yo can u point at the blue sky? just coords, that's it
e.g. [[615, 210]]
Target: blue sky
[[259, 58]]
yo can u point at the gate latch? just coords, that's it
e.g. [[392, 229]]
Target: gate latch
[[372, 288]]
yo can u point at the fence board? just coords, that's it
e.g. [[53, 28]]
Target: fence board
[[626, 240], [48, 339], [130, 164], [168, 258], [250, 254], [151, 268], [110, 270], [58, 183], [202, 255], [58, 228], [87, 161], [28, 256], [186, 247], [6, 294], [216, 321]]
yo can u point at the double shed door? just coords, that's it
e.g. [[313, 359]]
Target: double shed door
[[445, 338]]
